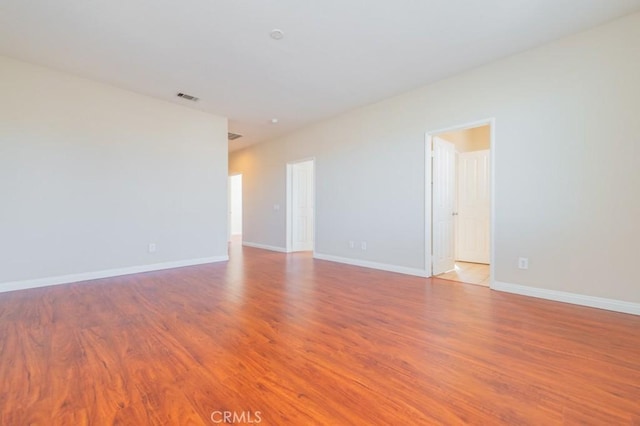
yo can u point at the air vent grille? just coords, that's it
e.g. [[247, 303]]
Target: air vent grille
[[233, 136], [188, 97]]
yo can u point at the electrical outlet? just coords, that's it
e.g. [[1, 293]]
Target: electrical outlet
[[152, 247], [523, 263], [352, 244], [276, 207], [363, 245]]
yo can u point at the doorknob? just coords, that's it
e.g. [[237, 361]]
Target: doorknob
[[454, 214]]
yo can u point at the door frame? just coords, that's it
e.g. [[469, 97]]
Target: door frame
[[428, 202], [289, 206]]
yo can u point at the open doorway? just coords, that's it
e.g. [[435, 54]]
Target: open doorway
[[235, 207], [300, 206], [461, 203]]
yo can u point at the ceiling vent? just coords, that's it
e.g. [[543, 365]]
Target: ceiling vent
[[188, 97], [233, 136]]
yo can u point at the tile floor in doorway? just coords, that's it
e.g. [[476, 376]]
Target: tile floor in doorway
[[471, 273]]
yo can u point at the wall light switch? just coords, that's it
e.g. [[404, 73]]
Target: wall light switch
[[523, 263], [152, 247], [352, 244], [276, 207], [363, 245]]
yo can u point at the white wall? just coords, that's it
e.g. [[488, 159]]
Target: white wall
[[91, 174], [567, 177]]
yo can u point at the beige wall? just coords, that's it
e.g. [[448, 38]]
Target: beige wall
[[469, 140], [91, 174], [566, 167]]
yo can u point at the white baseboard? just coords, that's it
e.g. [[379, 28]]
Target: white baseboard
[[86, 276], [264, 247], [573, 298], [373, 265]]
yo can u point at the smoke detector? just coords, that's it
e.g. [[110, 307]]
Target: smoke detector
[[276, 34]]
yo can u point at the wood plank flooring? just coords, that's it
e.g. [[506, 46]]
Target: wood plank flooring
[[283, 339]]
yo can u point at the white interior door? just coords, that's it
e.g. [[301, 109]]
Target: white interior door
[[302, 198], [229, 209], [474, 207], [444, 187], [235, 204]]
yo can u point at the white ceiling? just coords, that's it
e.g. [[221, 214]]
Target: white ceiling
[[336, 54]]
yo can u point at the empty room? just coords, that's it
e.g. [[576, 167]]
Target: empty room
[[328, 212]]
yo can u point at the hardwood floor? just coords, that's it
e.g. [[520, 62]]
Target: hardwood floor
[[288, 340], [470, 273]]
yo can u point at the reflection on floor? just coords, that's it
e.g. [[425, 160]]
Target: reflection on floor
[[471, 273]]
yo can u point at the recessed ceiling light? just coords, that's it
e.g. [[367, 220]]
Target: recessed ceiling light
[[276, 34], [274, 121]]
